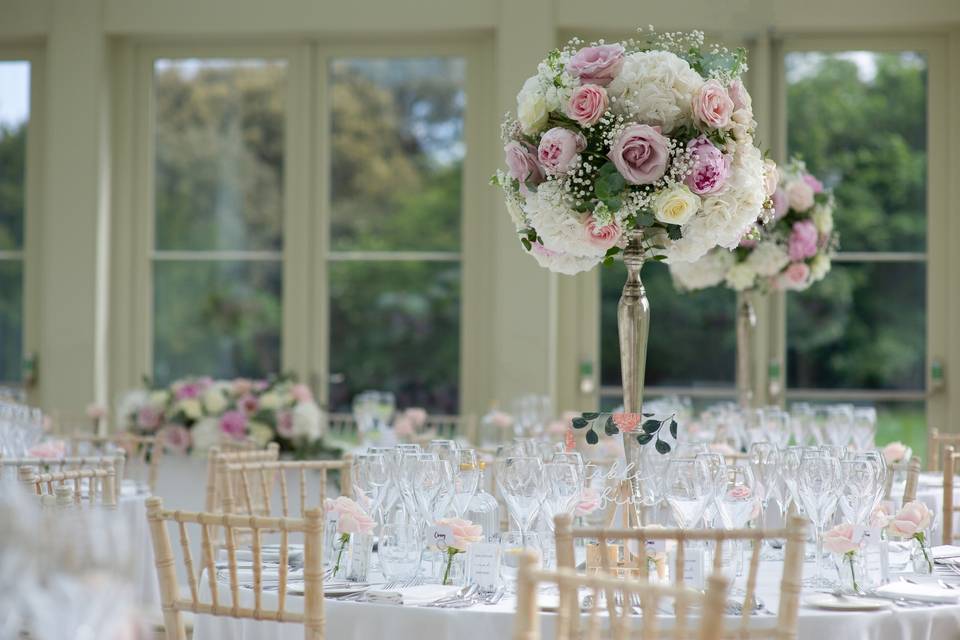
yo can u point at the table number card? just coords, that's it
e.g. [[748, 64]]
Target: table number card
[[694, 567], [484, 562]]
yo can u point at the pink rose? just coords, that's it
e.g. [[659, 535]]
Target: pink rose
[[597, 65], [559, 148], [627, 422], [739, 492], [149, 417], [894, 452], [96, 411], [285, 424], [249, 403], [588, 503], [914, 517], [710, 167], [780, 203], [803, 240], [795, 276], [301, 393], [465, 532], [416, 415], [234, 424], [640, 154], [188, 390], [403, 427], [739, 95], [879, 518], [175, 437], [840, 539], [587, 104], [242, 386], [601, 237], [500, 420], [522, 163], [812, 182], [799, 195], [351, 518], [569, 440], [771, 177], [50, 449], [712, 105]]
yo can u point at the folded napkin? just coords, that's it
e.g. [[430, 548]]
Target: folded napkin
[[269, 575], [419, 595], [946, 552], [925, 592]]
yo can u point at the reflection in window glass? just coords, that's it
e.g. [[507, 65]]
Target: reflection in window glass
[[692, 338], [397, 153], [14, 119], [218, 187]]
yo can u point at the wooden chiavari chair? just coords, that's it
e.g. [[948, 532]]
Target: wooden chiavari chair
[[69, 463], [635, 565], [257, 480], [99, 485], [341, 425], [623, 598], [951, 464], [143, 453], [912, 467], [936, 444], [236, 601], [217, 457]]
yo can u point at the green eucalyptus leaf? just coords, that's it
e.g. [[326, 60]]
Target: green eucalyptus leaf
[[591, 415], [526, 244], [579, 423], [592, 437], [673, 428], [651, 426], [644, 438], [662, 447]]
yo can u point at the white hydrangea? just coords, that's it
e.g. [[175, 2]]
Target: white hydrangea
[[306, 421], [708, 271], [656, 86], [564, 263], [823, 219], [819, 267], [205, 434], [128, 406], [768, 258], [740, 277], [559, 225]]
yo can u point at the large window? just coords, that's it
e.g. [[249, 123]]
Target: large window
[[218, 212], [14, 118], [859, 120], [396, 162]]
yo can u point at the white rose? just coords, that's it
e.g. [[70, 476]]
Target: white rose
[[205, 434], [260, 433], [768, 258], [823, 219], [675, 205], [819, 267], [191, 408], [214, 402], [531, 106], [269, 401], [306, 421], [159, 398], [740, 277], [799, 195], [128, 406]]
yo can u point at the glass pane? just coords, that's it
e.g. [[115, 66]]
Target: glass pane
[[395, 326], [220, 319], [11, 319], [859, 120], [862, 327], [14, 116], [692, 336], [219, 156], [397, 153]]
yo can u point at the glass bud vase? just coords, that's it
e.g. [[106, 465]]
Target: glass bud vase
[[921, 558], [349, 556], [851, 572]]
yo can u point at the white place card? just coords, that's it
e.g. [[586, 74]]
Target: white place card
[[439, 536], [657, 546], [484, 562], [694, 567]]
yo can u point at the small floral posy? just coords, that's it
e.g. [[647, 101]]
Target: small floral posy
[[628, 424], [651, 135]]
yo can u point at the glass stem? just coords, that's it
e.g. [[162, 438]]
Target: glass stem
[[819, 553]]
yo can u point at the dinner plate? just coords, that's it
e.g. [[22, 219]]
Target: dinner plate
[[845, 603]]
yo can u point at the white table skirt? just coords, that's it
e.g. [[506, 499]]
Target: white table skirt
[[133, 509], [365, 621]]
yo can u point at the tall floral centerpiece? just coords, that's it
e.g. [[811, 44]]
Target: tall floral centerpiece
[[789, 253], [642, 148]]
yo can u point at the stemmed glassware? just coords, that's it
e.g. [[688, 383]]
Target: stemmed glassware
[[433, 488], [860, 480], [523, 485], [864, 428], [840, 424], [370, 480], [466, 479], [564, 486], [818, 482], [765, 463], [688, 488]]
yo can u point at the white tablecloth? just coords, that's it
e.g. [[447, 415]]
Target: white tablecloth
[[133, 509]]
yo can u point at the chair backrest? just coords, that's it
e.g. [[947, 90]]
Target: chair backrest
[[217, 458], [912, 469], [69, 463], [344, 425], [236, 601], [70, 487], [256, 481], [635, 566], [936, 443], [143, 453], [951, 464], [620, 599], [341, 425]]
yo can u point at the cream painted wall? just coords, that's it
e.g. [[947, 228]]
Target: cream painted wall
[[537, 326]]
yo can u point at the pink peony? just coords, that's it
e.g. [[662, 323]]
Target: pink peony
[[840, 539], [597, 65], [587, 104], [522, 163], [913, 518], [812, 182], [712, 105], [795, 276], [234, 424], [285, 424], [351, 518], [710, 167], [799, 195], [301, 393], [188, 390], [465, 532], [627, 422], [894, 452], [50, 449], [175, 437], [640, 154], [601, 237], [803, 240], [780, 203], [589, 502], [248, 403], [149, 417], [739, 95], [559, 149]]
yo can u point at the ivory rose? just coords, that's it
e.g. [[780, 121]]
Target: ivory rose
[[640, 154], [587, 104], [597, 65], [895, 452], [676, 205], [712, 105], [771, 177], [840, 539], [558, 150], [912, 519], [351, 518], [601, 236]]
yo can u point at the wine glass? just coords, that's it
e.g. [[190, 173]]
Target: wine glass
[[400, 552], [522, 483], [718, 471], [864, 427], [840, 423], [371, 475], [466, 478], [432, 484], [564, 487], [858, 489], [765, 462], [789, 470], [409, 462], [776, 424], [817, 481], [445, 450], [688, 488]]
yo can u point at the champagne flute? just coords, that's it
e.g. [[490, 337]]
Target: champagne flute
[[466, 478], [817, 481], [522, 483], [688, 488]]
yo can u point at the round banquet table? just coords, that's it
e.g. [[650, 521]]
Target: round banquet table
[[368, 621]]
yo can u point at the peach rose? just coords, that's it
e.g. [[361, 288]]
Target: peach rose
[[587, 104], [465, 532], [913, 518], [602, 237], [712, 105], [895, 452], [840, 539], [879, 518], [351, 518]]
